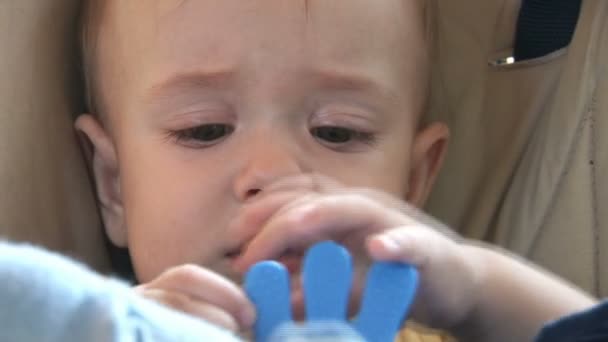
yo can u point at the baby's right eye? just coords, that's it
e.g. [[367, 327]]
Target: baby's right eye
[[203, 135]]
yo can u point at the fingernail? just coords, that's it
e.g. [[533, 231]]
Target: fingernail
[[390, 245]]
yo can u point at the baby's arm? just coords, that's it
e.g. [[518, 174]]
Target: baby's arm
[[516, 298], [509, 299], [477, 292]]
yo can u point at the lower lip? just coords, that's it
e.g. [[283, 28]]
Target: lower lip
[[292, 262]]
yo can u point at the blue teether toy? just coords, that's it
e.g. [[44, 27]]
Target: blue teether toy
[[327, 279], [267, 284]]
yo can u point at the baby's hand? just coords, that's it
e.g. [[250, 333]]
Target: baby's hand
[[295, 213], [203, 294]]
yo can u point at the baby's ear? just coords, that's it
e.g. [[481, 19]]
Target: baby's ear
[[428, 151], [103, 162]]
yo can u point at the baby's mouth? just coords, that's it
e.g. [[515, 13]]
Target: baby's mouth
[[292, 260], [232, 255]]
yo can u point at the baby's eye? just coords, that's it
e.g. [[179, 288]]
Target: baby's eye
[[332, 134], [340, 136], [203, 135]]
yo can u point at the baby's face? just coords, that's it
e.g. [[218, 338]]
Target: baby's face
[[210, 101]]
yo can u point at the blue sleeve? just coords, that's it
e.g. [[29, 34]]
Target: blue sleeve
[[588, 326], [48, 298]]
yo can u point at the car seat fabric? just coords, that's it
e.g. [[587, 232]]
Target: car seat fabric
[[525, 169], [45, 194]]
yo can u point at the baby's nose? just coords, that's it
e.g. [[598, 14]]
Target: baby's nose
[[252, 192], [262, 168]]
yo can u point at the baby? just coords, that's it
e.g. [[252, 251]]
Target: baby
[[229, 132]]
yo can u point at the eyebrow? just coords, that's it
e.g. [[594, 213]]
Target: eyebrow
[[349, 81], [180, 82], [356, 82], [329, 79]]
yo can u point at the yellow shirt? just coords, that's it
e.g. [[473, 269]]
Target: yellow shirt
[[416, 333]]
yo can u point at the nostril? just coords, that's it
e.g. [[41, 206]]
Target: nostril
[[252, 192]]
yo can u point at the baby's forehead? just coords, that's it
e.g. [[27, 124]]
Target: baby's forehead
[[211, 34], [386, 14], [175, 27]]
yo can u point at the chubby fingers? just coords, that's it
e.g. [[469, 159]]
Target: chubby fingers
[[184, 303], [310, 182], [278, 196], [254, 215], [202, 293], [315, 219]]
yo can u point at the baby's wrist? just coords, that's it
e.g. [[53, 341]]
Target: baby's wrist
[[468, 322]]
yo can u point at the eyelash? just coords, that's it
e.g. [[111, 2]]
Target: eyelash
[[355, 136], [189, 136]]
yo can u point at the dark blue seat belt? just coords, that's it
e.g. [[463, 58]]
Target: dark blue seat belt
[[545, 26]]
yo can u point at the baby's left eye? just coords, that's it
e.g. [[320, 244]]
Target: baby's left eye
[[333, 134], [337, 136], [202, 136]]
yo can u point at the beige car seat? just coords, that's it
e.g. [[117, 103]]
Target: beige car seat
[[528, 148], [524, 170], [45, 194]]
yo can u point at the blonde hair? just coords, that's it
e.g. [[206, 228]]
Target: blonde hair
[[91, 17], [432, 48]]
